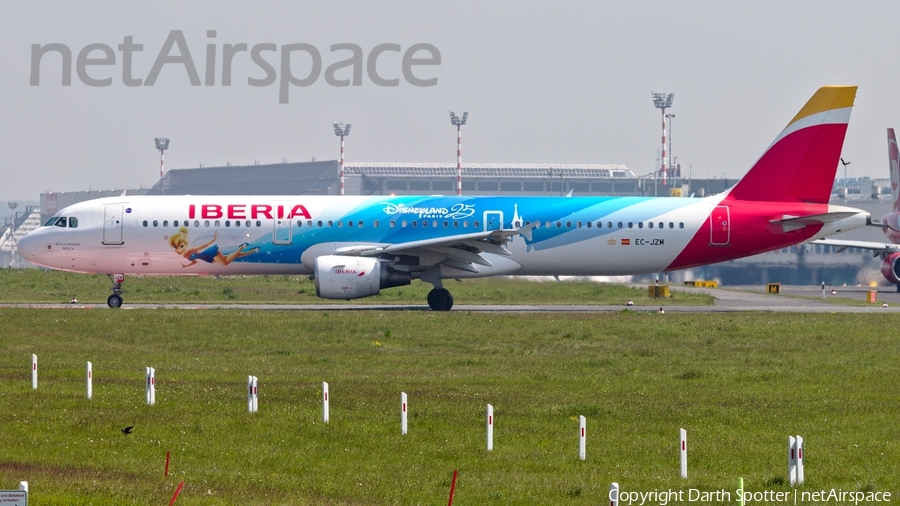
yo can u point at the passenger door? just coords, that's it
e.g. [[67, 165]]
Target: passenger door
[[112, 224]]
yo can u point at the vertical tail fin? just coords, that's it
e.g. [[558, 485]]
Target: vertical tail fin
[[799, 166], [894, 166]]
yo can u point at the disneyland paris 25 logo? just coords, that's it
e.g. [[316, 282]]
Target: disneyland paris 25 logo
[[292, 66], [456, 212]]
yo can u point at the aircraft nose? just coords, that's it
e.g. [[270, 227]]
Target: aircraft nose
[[29, 246]]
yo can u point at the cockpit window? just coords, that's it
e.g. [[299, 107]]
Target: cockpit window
[[62, 222]]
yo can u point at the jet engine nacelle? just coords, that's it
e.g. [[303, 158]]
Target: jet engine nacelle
[[890, 268], [344, 277]]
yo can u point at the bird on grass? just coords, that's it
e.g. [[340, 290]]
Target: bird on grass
[[127, 430]]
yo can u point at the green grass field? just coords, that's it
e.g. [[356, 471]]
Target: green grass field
[[739, 383], [33, 285]]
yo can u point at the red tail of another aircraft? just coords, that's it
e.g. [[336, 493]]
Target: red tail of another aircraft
[[894, 165]]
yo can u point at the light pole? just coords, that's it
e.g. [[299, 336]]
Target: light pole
[[342, 130], [663, 101], [459, 122], [12, 233], [162, 144], [671, 163]]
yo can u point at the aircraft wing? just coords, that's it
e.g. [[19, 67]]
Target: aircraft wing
[[462, 251], [876, 247]]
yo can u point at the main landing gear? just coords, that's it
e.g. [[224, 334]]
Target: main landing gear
[[115, 300], [440, 299]]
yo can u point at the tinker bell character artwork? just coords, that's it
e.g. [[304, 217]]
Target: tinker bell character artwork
[[207, 252]]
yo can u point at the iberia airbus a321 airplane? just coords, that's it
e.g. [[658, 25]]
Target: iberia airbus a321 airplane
[[356, 246]]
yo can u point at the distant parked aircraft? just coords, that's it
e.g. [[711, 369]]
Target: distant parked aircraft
[[890, 223]]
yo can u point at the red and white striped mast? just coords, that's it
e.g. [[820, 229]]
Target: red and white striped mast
[[162, 144], [459, 122], [342, 130], [662, 101]]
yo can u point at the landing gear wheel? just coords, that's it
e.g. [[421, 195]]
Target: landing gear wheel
[[440, 299], [114, 301]]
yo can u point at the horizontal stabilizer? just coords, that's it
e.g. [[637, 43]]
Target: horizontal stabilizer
[[841, 245], [789, 223]]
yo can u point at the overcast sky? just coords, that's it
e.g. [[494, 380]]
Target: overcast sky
[[556, 82]]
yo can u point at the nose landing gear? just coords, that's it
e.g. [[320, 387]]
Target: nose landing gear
[[115, 300]]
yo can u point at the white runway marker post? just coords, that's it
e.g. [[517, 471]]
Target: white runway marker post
[[325, 402], [792, 460], [34, 371], [490, 427], [800, 476], [252, 394], [249, 394], [403, 425], [613, 494], [151, 386], [90, 381], [582, 437], [683, 453]]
